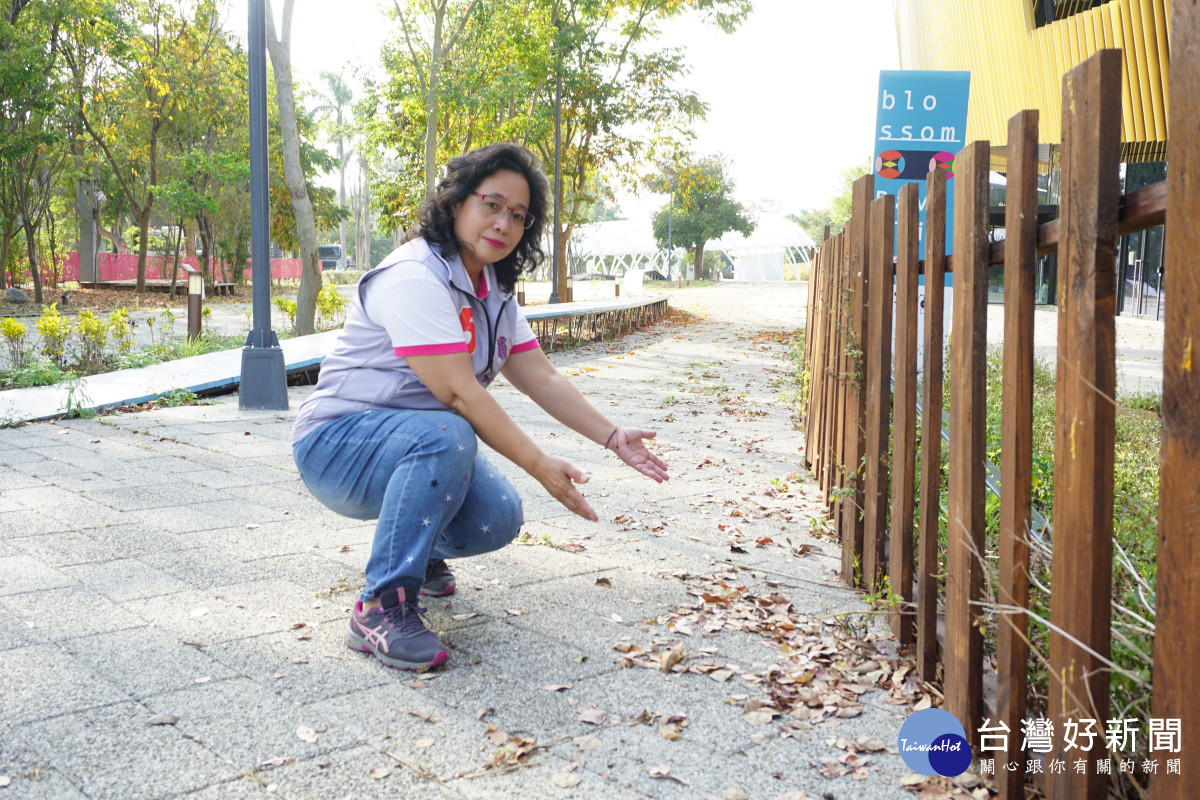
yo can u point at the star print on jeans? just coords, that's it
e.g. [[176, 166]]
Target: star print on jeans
[[461, 448], [485, 528], [449, 498], [425, 522], [433, 483]]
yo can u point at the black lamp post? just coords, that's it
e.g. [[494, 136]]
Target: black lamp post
[[263, 382]]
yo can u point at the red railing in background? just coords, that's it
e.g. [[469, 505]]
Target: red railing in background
[[123, 267]]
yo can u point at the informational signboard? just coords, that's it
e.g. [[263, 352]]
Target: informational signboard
[[920, 125]]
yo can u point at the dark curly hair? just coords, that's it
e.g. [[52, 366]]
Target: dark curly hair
[[435, 216]]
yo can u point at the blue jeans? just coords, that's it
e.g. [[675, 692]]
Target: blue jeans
[[420, 473]]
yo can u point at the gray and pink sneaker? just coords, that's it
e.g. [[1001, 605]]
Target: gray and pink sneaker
[[395, 632], [439, 580]]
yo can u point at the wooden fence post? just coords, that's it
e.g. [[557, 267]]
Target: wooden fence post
[[1176, 646], [1084, 409], [851, 521], [827, 366], [968, 416], [816, 372], [843, 327], [833, 368], [904, 414], [929, 561], [1016, 435], [878, 381], [808, 337]]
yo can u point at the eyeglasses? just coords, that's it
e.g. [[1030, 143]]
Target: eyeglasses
[[493, 207]]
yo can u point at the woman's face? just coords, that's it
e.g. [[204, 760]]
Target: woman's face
[[484, 226]]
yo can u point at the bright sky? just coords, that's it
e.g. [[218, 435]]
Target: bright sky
[[791, 92]]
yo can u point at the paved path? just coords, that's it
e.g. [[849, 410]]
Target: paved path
[[169, 567]]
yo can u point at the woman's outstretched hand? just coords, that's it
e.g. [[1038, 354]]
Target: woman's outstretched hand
[[559, 477], [629, 444]]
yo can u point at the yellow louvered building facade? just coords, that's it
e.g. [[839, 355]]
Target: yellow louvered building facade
[[1015, 63]]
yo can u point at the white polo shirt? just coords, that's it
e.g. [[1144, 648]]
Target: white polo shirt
[[414, 303]]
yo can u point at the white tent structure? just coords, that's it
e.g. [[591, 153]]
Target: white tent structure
[[611, 248], [761, 255]]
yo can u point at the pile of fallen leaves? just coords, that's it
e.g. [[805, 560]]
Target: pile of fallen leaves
[[823, 668], [103, 301]]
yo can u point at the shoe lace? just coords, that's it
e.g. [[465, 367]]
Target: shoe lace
[[408, 617]]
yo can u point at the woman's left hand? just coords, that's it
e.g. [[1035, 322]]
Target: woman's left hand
[[629, 444]]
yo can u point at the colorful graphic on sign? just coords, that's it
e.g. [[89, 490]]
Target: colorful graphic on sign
[[920, 125]]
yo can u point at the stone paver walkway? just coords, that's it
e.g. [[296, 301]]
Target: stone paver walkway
[[172, 604]]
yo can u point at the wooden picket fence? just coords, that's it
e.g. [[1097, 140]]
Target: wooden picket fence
[[852, 401]]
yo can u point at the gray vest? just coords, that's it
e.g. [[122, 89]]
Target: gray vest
[[363, 371]]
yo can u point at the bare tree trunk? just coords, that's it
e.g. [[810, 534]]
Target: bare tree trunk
[[143, 219], [431, 97], [362, 244], [114, 236], [698, 264], [342, 203], [306, 228], [440, 48], [31, 245], [7, 234], [179, 236]]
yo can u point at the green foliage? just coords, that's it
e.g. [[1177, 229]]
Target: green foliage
[[54, 329], [39, 372], [15, 337], [341, 277], [703, 209], [837, 213], [331, 307], [93, 335], [288, 307], [77, 398], [176, 397], [120, 330]]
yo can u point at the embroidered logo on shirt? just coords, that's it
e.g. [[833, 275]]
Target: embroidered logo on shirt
[[502, 348], [467, 320]]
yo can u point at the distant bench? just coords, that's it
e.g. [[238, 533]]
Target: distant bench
[[225, 289]]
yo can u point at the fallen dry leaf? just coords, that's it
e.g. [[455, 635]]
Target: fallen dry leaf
[[605, 582], [496, 737], [664, 771], [379, 773], [587, 742], [593, 716], [734, 793], [566, 780], [759, 716], [670, 732], [162, 719], [423, 743], [306, 735], [672, 657], [557, 687], [517, 613], [461, 617]]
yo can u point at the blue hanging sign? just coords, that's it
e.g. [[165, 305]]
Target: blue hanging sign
[[920, 125]]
